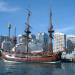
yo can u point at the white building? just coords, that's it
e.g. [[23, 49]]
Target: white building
[[59, 42]]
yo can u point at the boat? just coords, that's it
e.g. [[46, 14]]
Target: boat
[[68, 57], [31, 58], [44, 56]]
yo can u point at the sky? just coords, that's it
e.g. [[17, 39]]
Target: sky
[[14, 12]]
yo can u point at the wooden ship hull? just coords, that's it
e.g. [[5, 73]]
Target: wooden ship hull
[[31, 58]]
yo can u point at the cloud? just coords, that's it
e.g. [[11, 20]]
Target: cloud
[[66, 29], [5, 7]]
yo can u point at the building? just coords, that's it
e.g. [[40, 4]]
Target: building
[[1, 40], [43, 39], [33, 46], [70, 42], [36, 44], [59, 42], [6, 45], [20, 39]]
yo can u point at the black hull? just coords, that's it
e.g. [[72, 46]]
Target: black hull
[[67, 60]]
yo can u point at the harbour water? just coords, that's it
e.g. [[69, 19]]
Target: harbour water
[[17, 68]]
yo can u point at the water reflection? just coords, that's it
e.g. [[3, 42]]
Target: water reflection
[[13, 68]]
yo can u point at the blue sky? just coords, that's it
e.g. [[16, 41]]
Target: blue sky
[[14, 12]]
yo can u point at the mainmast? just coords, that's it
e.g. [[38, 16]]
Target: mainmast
[[27, 30], [50, 31]]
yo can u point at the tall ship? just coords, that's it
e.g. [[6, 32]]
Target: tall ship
[[29, 56]]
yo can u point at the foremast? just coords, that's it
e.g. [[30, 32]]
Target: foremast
[[27, 29]]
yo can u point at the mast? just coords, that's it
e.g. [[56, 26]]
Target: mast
[[27, 30], [15, 40], [9, 28], [50, 31]]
